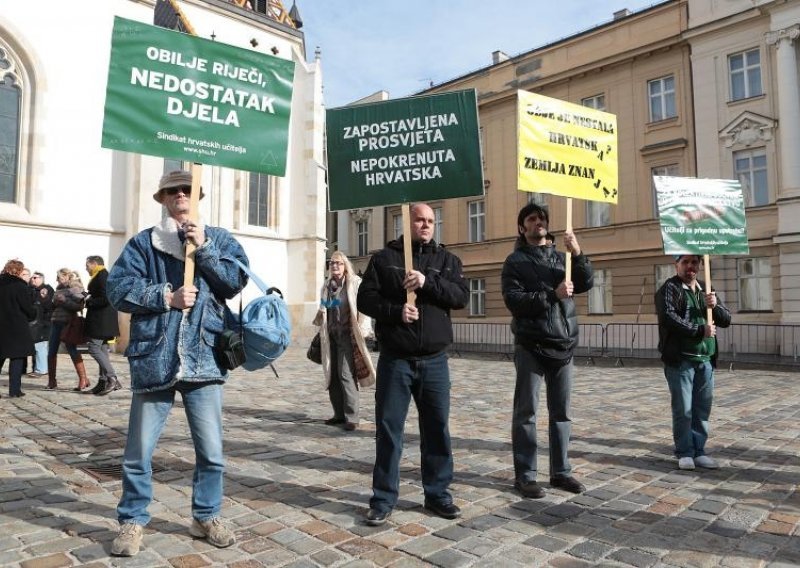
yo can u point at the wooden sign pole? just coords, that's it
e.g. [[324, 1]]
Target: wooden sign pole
[[411, 295], [707, 265], [568, 255], [194, 205]]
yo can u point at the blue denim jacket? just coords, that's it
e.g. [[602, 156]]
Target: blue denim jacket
[[167, 345]]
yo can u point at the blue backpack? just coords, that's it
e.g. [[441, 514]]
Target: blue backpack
[[264, 323]]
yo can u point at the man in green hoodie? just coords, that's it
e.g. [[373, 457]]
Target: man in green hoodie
[[688, 346]]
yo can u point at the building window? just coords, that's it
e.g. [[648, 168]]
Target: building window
[[750, 168], [663, 273], [598, 214], [261, 206], [537, 198], [172, 165], [662, 98], [362, 228], [670, 170], [600, 294], [397, 224], [477, 296], [755, 284], [745, 74], [597, 102], [10, 124], [477, 221], [437, 224]]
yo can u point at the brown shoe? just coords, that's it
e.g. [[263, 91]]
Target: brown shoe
[[350, 426]]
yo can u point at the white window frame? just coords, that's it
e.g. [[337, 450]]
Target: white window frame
[[755, 290], [662, 273], [598, 214], [362, 237], [600, 296], [659, 95], [476, 213], [171, 165], [670, 170], [397, 225], [748, 176], [269, 185], [477, 296], [597, 102], [437, 224], [744, 74], [13, 73]]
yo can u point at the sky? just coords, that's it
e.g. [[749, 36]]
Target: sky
[[401, 46]]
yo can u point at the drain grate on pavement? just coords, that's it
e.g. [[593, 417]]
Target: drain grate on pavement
[[110, 471]]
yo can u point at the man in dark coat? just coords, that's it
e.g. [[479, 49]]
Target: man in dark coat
[[101, 325], [16, 310], [545, 326], [413, 363]]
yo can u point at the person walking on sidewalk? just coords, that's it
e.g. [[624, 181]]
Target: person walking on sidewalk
[[101, 325], [413, 362], [172, 332], [688, 346], [545, 327], [346, 363], [67, 302]]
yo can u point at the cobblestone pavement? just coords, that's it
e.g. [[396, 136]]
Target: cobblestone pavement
[[296, 489]]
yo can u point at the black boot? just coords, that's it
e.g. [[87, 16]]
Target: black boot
[[101, 384]]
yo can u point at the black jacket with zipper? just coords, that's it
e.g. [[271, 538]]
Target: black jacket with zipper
[[382, 296], [540, 321]]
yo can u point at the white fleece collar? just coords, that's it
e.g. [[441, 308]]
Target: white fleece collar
[[164, 237]]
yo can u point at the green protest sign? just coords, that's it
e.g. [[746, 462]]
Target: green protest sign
[[404, 150], [183, 97], [701, 216]]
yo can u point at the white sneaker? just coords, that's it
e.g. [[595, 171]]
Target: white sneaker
[[685, 463], [706, 462]]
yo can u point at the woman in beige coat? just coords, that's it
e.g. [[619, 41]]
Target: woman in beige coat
[[345, 358]]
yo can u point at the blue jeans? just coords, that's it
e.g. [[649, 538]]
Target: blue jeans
[[691, 386], [531, 372], [55, 341], [428, 381], [149, 411], [40, 358]]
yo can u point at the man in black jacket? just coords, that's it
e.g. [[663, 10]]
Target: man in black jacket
[[688, 345], [413, 362], [101, 325], [545, 328]]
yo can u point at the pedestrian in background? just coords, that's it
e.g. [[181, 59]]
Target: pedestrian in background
[[345, 358], [413, 363], [688, 345], [101, 325], [67, 303], [545, 327], [40, 327], [16, 310]]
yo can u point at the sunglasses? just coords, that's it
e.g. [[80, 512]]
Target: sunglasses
[[185, 189]]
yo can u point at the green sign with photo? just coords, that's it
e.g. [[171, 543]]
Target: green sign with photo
[[179, 96], [701, 216], [405, 150]]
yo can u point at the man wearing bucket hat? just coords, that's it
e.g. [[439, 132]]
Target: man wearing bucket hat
[[173, 330], [688, 346]]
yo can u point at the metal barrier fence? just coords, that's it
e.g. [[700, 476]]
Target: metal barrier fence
[[769, 344]]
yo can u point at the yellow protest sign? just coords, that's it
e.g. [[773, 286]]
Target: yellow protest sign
[[566, 149]]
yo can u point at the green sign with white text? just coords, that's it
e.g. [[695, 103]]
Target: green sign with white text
[[701, 216], [179, 96], [404, 150]]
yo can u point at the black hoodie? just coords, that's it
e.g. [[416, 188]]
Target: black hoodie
[[382, 296]]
